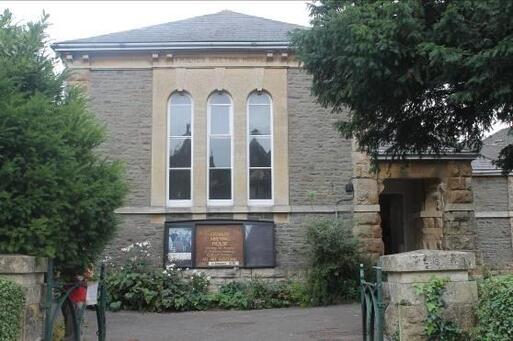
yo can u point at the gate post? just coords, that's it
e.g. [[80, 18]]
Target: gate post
[[406, 311], [28, 272]]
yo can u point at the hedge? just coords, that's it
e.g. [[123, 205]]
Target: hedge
[[495, 310], [12, 301]]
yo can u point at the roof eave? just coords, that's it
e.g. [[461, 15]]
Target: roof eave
[[489, 172], [221, 45]]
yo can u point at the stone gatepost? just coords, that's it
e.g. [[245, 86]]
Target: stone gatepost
[[406, 312], [29, 273]]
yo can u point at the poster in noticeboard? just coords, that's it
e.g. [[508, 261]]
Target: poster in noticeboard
[[180, 246]]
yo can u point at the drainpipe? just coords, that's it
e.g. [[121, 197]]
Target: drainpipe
[[349, 189]]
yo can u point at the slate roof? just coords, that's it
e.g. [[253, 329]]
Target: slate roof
[[206, 30], [492, 145]]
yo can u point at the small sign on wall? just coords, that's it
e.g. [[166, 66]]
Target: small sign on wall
[[220, 244]]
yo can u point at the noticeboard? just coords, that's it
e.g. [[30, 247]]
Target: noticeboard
[[220, 244]]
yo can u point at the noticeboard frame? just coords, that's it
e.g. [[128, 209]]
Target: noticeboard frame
[[193, 223]]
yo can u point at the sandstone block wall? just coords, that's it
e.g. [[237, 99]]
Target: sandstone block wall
[[493, 202], [28, 272], [319, 158], [122, 99]]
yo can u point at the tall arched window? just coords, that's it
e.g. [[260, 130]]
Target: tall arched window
[[220, 127], [180, 132], [260, 145]]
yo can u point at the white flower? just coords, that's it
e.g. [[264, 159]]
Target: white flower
[[208, 278]]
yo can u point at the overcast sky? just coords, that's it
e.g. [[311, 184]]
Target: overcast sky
[[80, 19]]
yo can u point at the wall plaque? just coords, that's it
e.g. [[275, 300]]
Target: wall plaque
[[219, 245]]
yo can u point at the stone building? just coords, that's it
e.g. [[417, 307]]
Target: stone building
[[493, 200], [229, 158]]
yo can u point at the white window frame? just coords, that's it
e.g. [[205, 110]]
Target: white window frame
[[220, 202], [260, 202], [175, 202]]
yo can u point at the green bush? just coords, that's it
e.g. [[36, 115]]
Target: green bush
[[334, 261], [57, 194], [138, 286], [495, 309], [12, 300], [259, 294]]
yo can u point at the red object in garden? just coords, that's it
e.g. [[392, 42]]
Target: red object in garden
[[78, 295]]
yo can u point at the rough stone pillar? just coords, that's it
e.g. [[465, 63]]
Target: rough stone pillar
[[458, 216], [28, 272], [406, 311], [366, 217]]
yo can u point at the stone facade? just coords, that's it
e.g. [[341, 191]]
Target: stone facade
[[312, 163], [29, 273], [122, 100], [319, 165], [319, 158], [493, 205]]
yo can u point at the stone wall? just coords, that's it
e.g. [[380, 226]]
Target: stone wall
[[319, 158], [494, 242], [493, 204], [448, 199], [406, 312], [290, 241], [122, 99], [28, 272]]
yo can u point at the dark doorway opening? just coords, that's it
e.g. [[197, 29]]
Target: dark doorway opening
[[392, 222]]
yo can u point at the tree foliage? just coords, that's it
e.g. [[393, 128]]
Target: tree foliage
[[57, 195], [419, 76]]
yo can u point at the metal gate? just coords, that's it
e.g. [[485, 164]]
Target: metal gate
[[372, 306], [58, 297]]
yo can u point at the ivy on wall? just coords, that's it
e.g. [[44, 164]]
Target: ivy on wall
[[436, 327], [12, 301]]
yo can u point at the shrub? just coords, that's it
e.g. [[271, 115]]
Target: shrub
[[495, 309], [139, 286], [12, 300], [259, 294], [57, 194], [334, 260]]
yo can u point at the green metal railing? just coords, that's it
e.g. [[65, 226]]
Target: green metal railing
[[55, 302], [372, 306]]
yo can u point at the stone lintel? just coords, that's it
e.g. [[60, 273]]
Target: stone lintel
[[428, 261]]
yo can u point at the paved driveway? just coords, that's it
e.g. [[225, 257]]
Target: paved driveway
[[341, 322]]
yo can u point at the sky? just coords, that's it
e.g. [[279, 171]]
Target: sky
[[81, 19]]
